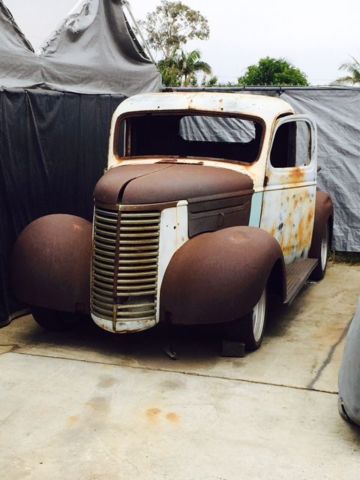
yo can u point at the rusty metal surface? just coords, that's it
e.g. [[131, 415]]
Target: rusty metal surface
[[184, 182], [296, 275], [288, 215], [217, 102], [51, 263], [265, 108], [110, 186], [209, 279], [154, 183], [324, 212], [218, 277], [217, 213], [290, 189], [125, 268]]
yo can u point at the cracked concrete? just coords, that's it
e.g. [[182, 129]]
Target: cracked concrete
[[90, 405]]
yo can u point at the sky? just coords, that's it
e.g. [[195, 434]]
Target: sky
[[316, 36]]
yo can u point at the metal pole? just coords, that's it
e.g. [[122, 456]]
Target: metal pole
[[126, 4]]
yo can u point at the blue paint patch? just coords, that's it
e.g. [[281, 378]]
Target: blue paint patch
[[256, 207]]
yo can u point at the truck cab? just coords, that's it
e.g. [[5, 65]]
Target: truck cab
[[207, 209]]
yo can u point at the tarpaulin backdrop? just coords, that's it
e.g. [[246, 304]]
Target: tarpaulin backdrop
[[93, 51], [337, 115], [54, 142], [53, 149]]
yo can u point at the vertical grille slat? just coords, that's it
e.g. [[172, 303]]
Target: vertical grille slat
[[125, 264]]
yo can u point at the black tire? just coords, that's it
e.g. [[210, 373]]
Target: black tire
[[54, 320], [247, 329], [322, 257]]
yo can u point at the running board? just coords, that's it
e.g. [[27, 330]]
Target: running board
[[296, 275]]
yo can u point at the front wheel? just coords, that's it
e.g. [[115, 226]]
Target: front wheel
[[54, 320], [250, 329]]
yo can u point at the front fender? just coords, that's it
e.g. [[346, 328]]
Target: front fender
[[51, 263], [218, 277]]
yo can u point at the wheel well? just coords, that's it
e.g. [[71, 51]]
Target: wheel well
[[276, 283]]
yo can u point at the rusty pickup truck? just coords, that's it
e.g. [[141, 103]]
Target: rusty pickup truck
[[208, 208]]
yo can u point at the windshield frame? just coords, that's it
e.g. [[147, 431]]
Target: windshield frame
[[143, 113]]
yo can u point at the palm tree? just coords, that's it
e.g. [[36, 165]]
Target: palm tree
[[182, 67], [189, 64], [354, 69]]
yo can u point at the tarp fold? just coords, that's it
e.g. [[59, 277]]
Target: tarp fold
[[91, 52]]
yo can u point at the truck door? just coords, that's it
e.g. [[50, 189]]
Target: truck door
[[290, 186]]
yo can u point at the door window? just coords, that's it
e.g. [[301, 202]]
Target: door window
[[292, 145]]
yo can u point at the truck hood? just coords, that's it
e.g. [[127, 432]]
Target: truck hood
[[159, 183]]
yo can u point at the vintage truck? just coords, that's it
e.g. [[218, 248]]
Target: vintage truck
[[208, 208]]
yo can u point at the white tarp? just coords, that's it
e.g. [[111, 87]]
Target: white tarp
[[92, 52]]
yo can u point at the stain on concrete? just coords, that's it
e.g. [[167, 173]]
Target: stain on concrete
[[173, 417], [171, 385], [73, 421], [106, 381], [153, 415], [99, 404]]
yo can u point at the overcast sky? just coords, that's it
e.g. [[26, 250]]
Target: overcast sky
[[315, 35]]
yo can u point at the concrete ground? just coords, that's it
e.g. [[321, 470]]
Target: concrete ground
[[89, 405]]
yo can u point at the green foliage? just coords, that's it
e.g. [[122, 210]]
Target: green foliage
[[169, 72], [171, 25], [182, 67], [273, 72], [354, 72], [210, 82]]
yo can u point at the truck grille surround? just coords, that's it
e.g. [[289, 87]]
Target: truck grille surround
[[125, 264]]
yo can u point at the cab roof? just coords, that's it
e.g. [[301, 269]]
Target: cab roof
[[262, 106]]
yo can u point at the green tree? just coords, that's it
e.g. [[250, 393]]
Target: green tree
[[210, 82], [189, 64], [273, 72], [181, 69], [171, 25], [169, 72], [353, 68]]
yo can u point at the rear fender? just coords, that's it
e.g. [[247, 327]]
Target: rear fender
[[219, 277], [324, 213], [51, 263]]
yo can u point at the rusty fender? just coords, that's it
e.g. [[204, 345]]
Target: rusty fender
[[324, 212], [50, 265], [218, 277]]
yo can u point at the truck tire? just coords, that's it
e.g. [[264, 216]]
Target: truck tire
[[250, 329], [320, 270], [54, 320]]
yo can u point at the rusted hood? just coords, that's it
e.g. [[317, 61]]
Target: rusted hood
[[157, 183]]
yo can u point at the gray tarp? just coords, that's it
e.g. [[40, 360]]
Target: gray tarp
[[92, 52], [349, 378], [337, 114]]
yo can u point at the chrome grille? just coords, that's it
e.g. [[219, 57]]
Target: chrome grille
[[125, 264]]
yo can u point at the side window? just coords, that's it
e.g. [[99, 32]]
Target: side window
[[292, 145]]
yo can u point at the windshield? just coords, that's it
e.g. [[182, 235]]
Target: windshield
[[182, 135]]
